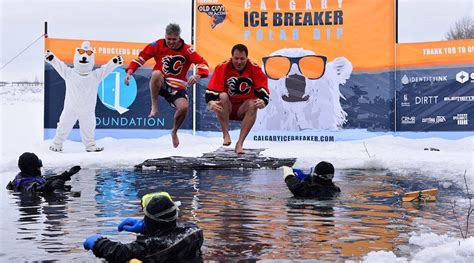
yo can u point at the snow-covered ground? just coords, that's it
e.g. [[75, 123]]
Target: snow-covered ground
[[21, 118]]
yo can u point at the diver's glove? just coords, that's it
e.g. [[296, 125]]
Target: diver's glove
[[287, 171], [74, 170], [10, 186], [300, 174], [132, 225], [90, 241], [58, 184], [66, 175]]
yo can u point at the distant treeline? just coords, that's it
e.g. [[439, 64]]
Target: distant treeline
[[21, 83]]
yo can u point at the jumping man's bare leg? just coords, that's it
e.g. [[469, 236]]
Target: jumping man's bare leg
[[182, 105], [156, 82], [223, 118], [249, 111]]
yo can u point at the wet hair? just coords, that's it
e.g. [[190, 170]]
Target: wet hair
[[241, 48], [173, 29]]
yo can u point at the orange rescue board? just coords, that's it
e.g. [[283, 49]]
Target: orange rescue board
[[427, 195]]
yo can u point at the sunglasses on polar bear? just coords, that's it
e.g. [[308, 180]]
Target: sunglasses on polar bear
[[82, 51], [311, 66]]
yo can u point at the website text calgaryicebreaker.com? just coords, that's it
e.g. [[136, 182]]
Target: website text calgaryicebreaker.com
[[287, 138]]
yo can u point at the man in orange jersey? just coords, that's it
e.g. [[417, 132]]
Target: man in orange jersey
[[173, 58], [237, 89]]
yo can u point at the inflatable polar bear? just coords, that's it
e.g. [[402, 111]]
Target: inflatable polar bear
[[298, 103], [82, 83]]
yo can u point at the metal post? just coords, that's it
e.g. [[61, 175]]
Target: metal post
[[45, 29], [194, 70], [395, 117]]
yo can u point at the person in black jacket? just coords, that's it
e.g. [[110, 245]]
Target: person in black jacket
[[318, 184], [161, 239], [29, 178]]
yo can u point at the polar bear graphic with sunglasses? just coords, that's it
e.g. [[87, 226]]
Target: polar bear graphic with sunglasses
[[304, 91], [82, 83]]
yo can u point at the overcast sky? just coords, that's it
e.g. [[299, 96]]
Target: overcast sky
[[22, 21], [429, 20]]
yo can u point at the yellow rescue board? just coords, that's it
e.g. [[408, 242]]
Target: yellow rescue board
[[427, 195]]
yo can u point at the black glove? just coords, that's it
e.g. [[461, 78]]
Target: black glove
[[57, 184], [10, 186], [74, 170]]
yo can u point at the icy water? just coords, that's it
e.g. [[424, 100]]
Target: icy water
[[245, 214]]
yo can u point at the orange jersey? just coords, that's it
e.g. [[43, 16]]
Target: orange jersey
[[174, 64], [250, 83]]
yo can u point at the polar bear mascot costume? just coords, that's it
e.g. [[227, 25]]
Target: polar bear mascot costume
[[82, 83], [300, 103]]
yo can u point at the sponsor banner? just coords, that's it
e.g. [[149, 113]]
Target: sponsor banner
[[435, 86], [361, 31], [368, 104], [439, 53], [434, 100], [352, 39], [104, 50], [119, 107], [360, 85]]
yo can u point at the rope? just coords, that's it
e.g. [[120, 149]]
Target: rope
[[21, 52]]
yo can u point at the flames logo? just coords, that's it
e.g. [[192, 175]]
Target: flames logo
[[239, 86], [172, 65]]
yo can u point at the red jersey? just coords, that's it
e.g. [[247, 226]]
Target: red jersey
[[250, 83], [174, 64]]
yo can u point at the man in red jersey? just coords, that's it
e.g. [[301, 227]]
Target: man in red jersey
[[236, 90], [173, 58]]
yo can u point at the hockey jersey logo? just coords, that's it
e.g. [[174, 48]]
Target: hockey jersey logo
[[172, 65], [239, 86]]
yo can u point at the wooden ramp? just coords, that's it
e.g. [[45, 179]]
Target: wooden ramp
[[222, 158]]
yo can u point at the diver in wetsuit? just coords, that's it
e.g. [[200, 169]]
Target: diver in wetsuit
[[161, 239], [318, 184], [30, 179]]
